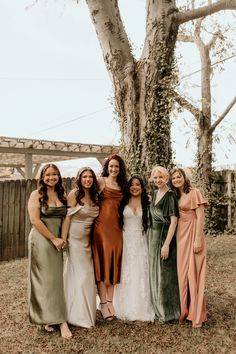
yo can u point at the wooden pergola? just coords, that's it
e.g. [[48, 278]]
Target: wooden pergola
[[27, 155]]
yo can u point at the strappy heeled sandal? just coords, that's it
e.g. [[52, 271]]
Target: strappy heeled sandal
[[111, 307], [105, 311]]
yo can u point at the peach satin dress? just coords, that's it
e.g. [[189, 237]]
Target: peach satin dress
[[107, 238], [191, 266]]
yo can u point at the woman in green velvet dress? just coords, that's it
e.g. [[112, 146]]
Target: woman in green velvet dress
[[47, 208], [162, 248]]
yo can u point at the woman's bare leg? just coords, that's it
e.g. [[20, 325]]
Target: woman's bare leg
[[110, 292], [102, 292]]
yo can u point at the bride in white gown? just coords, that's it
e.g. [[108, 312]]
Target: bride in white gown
[[79, 280], [132, 299]]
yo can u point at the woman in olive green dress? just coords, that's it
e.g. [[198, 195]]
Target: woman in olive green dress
[[47, 208], [162, 248]]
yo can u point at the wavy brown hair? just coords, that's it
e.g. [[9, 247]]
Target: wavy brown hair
[[121, 178], [144, 203], [93, 190], [187, 184], [42, 187]]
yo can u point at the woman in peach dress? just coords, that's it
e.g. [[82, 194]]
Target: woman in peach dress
[[191, 249]]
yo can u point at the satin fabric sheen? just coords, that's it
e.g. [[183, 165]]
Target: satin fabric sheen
[[46, 295], [107, 238], [79, 280], [191, 266], [163, 273]]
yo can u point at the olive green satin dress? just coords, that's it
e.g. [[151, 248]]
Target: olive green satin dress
[[46, 295], [163, 273]]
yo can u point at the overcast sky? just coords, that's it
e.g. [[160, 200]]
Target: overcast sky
[[54, 84]]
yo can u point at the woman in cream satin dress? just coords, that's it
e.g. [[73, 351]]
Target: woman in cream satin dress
[[79, 281]]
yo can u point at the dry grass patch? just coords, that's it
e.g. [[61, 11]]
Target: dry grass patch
[[218, 335]]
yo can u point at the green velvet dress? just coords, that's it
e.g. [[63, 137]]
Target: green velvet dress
[[163, 273], [46, 294]]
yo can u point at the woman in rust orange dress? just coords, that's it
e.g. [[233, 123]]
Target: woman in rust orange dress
[[107, 237], [191, 249]]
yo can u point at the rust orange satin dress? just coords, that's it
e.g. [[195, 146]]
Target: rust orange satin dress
[[191, 266], [107, 238]]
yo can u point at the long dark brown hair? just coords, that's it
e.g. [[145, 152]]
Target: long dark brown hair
[[144, 203], [187, 184], [93, 190], [42, 187], [121, 178]]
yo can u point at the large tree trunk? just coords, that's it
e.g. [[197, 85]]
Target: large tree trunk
[[203, 115], [204, 136], [142, 88], [204, 158], [144, 104]]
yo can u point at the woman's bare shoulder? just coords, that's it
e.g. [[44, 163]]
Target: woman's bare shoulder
[[34, 199], [71, 199], [101, 183], [73, 192], [35, 194]]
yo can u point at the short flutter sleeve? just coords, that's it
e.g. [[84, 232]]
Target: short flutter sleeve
[[71, 211], [197, 199], [170, 207]]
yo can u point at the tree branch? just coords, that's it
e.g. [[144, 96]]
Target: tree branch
[[112, 36], [203, 11], [185, 38], [223, 115], [213, 40], [184, 103]]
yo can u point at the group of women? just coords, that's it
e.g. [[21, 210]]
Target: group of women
[[144, 254]]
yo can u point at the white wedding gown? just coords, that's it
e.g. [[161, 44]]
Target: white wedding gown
[[132, 299]]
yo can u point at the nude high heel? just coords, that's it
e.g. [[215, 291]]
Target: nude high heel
[[111, 307], [105, 311]]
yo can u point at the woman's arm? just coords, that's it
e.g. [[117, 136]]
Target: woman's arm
[[197, 244], [65, 227], [71, 202], [166, 247], [101, 183], [34, 215]]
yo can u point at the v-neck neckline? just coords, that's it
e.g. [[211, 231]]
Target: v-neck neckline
[[155, 203], [139, 210]]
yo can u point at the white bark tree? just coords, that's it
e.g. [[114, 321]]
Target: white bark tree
[[202, 111], [142, 87]]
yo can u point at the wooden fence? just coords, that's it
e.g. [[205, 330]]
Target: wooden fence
[[14, 220], [224, 189], [15, 225]]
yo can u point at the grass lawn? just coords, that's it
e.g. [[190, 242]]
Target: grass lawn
[[218, 335]]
